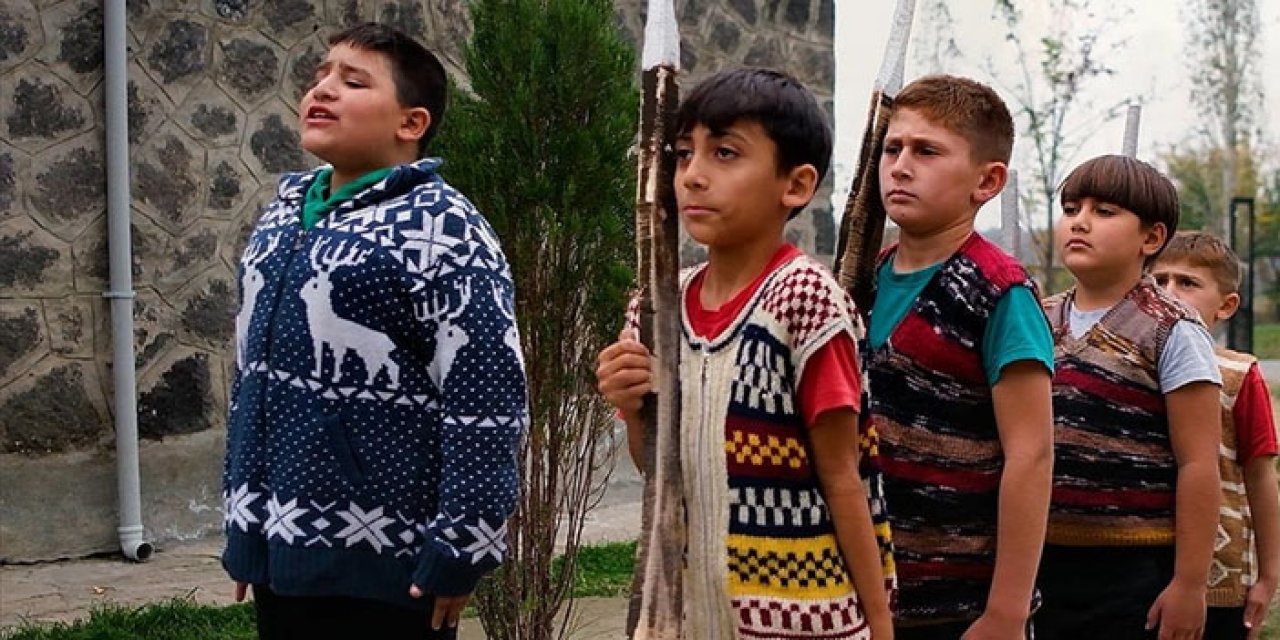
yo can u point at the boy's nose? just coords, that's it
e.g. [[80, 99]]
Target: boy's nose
[[897, 167], [323, 89], [693, 177]]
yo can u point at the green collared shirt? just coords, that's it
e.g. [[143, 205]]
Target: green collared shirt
[[319, 202]]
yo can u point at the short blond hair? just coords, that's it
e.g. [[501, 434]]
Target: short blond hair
[[1206, 251]]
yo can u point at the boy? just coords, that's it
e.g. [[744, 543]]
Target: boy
[[1203, 272], [376, 409], [781, 539], [1136, 426], [959, 358]]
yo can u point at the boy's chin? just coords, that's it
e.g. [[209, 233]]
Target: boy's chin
[[318, 150]]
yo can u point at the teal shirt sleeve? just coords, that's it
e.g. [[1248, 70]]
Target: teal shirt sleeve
[[1016, 331]]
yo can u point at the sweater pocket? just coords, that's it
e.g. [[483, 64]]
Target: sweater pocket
[[340, 444]]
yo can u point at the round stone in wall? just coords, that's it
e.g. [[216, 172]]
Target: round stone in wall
[[167, 177], [248, 66], [210, 116], [273, 145], [40, 109], [288, 21], [69, 187], [20, 33]]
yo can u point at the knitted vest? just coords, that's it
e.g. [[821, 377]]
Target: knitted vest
[[763, 560], [1235, 565], [1114, 474], [939, 447]]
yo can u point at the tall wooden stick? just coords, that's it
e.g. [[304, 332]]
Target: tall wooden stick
[[656, 607], [1010, 223], [1131, 121], [862, 229]]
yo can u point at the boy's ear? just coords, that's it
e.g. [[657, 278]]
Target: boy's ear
[[802, 183], [414, 124], [1230, 303], [994, 177], [1154, 237]]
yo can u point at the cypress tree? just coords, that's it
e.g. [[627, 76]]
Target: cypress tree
[[541, 144]]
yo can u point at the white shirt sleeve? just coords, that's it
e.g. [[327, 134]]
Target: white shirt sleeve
[[1188, 357]]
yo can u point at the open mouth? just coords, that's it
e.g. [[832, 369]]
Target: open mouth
[[320, 113]]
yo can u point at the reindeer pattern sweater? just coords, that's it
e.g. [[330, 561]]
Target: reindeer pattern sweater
[[378, 398]]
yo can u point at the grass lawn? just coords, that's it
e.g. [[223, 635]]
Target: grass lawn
[[173, 620], [603, 571], [1266, 341]]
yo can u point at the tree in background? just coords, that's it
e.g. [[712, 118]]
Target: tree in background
[[936, 49], [1222, 47], [541, 145], [1067, 55], [1199, 172]]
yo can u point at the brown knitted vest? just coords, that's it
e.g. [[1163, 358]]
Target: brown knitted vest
[[1114, 474], [1235, 562]]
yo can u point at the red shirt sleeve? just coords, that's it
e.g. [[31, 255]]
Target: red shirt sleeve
[[831, 379], [1254, 420]]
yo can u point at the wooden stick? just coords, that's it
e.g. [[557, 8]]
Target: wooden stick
[[1010, 224], [862, 228], [1131, 120], [655, 611]]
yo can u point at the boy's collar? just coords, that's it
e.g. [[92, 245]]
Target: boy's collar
[[294, 186]]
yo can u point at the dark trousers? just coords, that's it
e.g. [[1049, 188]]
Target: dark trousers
[[338, 618], [945, 631], [1225, 623], [1100, 593]]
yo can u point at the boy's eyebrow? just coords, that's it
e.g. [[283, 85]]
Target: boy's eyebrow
[[342, 66]]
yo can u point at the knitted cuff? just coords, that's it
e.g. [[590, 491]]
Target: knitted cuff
[[440, 575]]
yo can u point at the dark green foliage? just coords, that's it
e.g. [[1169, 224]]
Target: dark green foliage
[[540, 145], [177, 619]]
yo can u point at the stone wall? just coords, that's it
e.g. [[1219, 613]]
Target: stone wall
[[795, 36], [213, 88]]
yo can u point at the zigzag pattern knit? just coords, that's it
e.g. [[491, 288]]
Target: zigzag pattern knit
[[762, 550], [1114, 474], [1235, 561], [939, 447]]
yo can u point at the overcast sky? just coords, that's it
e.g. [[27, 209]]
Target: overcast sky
[[1152, 66]]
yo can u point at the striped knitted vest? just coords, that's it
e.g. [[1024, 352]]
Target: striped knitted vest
[[1235, 564], [1114, 474], [762, 560], [939, 448]]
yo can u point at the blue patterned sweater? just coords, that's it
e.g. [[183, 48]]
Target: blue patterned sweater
[[379, 396]]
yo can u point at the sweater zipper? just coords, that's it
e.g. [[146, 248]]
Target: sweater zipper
[[716, 563]]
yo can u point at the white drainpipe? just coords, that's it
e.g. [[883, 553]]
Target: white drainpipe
[[120, 293]]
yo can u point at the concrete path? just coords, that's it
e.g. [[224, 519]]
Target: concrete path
[[1271, 371], [68, 590]]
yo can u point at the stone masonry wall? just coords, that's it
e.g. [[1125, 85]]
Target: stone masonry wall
[[213, 91], [795, 36]]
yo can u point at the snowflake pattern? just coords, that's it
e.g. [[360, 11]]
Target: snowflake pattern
[[365, 526], [488, 541], [281, 519], [238, 507]]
